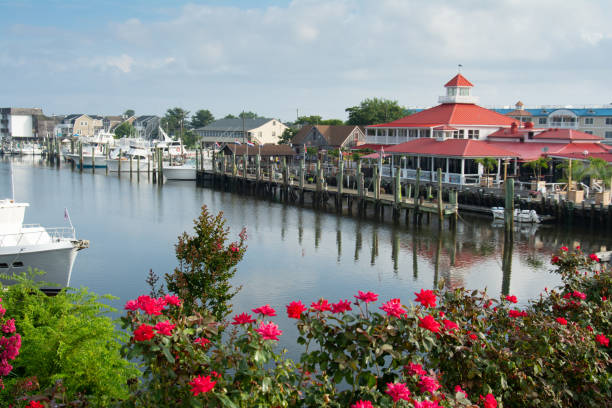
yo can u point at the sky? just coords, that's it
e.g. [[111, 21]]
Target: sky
[[281, 59]]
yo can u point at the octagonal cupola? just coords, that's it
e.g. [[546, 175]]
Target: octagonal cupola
[[458, 90]]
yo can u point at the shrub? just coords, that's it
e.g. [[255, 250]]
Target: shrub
[[206, 265], [66, 338]]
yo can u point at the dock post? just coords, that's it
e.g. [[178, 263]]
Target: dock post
[[59, 152], [509, 207], [340, 182], [440, 206], [119, 163], [376, 184], [81, 157], [161, 166], [302, 165], [131, 157], [138, 167], [397, 187], [93, 160], [417, 195], [197, 157], [107, 154], [258, 169], [234, 169]]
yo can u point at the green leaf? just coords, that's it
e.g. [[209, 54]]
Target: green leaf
[[168, 355], [226, 401]]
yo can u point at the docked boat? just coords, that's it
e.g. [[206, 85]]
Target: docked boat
[[92, 155], [180, 171], [523, 216], [30, 149], [134, 160], [24, 246]]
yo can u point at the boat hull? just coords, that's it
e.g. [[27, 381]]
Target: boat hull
[[55, 259], [100, 161]]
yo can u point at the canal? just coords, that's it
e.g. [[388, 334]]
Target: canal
[[293, 253]]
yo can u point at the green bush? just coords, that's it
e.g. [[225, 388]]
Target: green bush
[[67, 338]]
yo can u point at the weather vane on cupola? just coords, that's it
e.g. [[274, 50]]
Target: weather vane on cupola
[[459, 66]]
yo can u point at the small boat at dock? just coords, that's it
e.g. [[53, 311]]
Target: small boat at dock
[[522, 216]]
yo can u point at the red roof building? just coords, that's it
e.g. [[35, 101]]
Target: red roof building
[[457, 110], [452, 137]]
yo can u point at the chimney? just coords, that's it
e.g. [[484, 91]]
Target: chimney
[[513, 128]]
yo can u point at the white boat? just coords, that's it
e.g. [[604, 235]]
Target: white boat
[[522, 216], [184, 171], [27, 149], [24, 246], [138, 157], [99, 158]]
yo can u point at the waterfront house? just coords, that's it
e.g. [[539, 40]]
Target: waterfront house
[[594, 119], [26, 123], [147, 126], [328, 137], [256, 130], [79, 124]]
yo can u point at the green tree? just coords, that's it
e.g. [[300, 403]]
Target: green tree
[[488, 163], [287, 135], [537, 165], [600, 169], [129, 113], [201, 118], [248, 115], [175, 121], [375, 110], [317, 120], [230, 116], [124, 130], [206, 266], [190, 138]]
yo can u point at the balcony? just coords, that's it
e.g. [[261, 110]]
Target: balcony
[[563, 125]]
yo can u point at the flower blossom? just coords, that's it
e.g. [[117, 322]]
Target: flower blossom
[[562, 321], [144, 332], [9, 326], [517, 313], [461, 390], [429, 322], [449, 325], [202, 341], [295, 309], [342, 306], [172, 300], [594, 257], [322, 305], [415, 369], [512, 299], [165, 328], [564, 248], [554, 260], [362, 404], [269, 331], [265, 310], [243, 318], [603, 340], [131, 305], [428, 384], [201, 385], [366, 297], [398, 391], [426, 297], [34, 404], [393, 308], [579, 295], [489, 401]]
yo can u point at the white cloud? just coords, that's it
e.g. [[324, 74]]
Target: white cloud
[[123, 63], [328, 55]]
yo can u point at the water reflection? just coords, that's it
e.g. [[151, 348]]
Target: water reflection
[[133, 225]]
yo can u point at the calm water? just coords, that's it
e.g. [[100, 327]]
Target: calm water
[[293, 253]]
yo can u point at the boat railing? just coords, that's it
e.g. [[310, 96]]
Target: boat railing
[[39, 235]]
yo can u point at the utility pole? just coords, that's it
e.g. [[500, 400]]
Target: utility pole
[[243, 130]]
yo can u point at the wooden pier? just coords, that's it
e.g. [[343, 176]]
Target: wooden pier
[[317, 193]]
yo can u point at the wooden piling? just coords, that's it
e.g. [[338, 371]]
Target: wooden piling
[[80, 157], [509, 207], [440, 206]]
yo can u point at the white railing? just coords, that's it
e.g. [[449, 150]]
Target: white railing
[[35, 237], [563, 125]]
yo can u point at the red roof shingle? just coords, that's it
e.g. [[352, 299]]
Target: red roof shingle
[[458, 80], [450, 147]]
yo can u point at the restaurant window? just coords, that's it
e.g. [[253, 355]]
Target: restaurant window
[[414, 133], [542, 121], [588, 121], [454, 166], [464, 91], [608, 121], [440, 163]]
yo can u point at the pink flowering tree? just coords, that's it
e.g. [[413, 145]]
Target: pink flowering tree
[[206, 266]]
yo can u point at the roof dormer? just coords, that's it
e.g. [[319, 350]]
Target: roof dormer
[[458, 90]]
